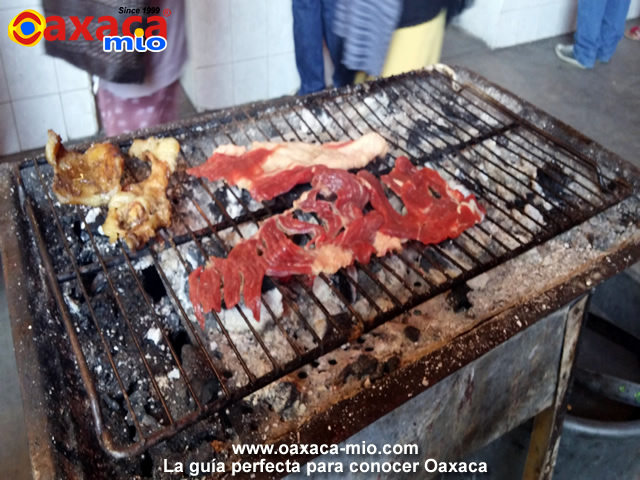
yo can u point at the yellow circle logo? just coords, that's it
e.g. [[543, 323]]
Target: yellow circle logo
[[27, 28]]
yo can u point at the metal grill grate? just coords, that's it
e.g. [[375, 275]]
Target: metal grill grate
[[150, 371]]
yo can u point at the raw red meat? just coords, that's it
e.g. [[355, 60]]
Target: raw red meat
[[270, 169], [345, 234]]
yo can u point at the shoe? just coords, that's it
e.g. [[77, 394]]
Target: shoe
[[565, 53]]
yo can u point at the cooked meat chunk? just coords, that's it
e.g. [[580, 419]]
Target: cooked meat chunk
[[90, 178], [140, 209]]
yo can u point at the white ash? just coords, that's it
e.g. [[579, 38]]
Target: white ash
[[154, 334], [174, 374], [364, 309], [252, 205], [234, 322], [143, 263], [74, 308], [234, 209], [178, 279], [92, 215], [534, 213]]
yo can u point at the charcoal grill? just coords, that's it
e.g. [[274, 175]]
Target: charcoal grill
[[114, 330]]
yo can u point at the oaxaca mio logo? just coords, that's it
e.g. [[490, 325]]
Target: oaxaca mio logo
[[29, 27]]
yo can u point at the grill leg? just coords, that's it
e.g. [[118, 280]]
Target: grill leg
[[547, 426]]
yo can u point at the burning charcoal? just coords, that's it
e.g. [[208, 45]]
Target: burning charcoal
[[87, 255], [213, 248], [209, 391], [99, 283], [84, 236], [344, 287], [502, 141], [245, 197], [111, 403], [551, 178], [152, 284], [179, 340]]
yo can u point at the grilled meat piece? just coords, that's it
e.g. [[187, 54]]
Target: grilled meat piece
[[91, 178], [434, 212], [141, 208]]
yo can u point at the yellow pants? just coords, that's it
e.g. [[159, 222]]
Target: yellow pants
[[413, 48]]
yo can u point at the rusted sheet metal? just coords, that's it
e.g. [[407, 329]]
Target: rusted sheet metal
[[18, 275], [471, 407]]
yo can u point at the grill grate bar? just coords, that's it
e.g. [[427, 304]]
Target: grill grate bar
[[158, 325], [530, 152], [472, 186], [515, 131], [589, 163], [292, 344], [193, 334], [257, 337], [509, 172], [127, 321], [70, 330]]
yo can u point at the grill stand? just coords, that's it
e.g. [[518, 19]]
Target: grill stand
[[511, 298]]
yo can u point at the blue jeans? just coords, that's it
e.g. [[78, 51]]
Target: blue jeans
[[313, 22], [600, 28]]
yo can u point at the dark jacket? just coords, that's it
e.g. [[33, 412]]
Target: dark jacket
[[415, 12]]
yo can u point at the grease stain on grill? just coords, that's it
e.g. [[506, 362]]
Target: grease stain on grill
[[364, 365], [412, 333], [458, 298]]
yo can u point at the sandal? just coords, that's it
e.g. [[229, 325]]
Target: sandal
[[633, 33]]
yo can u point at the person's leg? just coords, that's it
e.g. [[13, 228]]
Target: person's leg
[[587, 37], [307, 35], [612, 29], [341, 75]]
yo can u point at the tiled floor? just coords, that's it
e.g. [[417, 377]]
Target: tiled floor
[[603, 103]]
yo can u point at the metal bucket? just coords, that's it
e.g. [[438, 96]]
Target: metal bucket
[[597, 450]]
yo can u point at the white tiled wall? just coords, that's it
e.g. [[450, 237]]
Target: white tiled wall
[[38, 92], [240, 51], [503, 23]]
